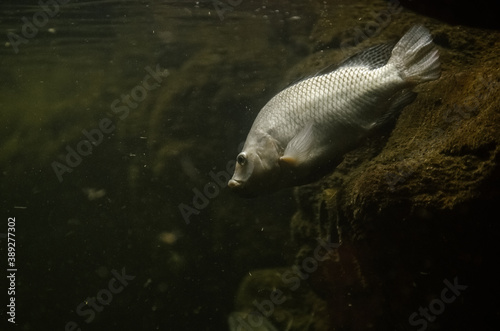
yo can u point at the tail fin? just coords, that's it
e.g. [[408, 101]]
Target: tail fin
[[416, 56]]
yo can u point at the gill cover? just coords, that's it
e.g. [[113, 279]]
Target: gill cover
[[257, 167]]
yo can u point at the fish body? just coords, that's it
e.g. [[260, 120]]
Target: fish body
[[309, 126]]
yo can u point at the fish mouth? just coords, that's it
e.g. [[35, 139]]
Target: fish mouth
[[234, 184]]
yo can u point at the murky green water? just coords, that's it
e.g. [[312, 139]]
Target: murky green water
[[120, 121], [98, 72]]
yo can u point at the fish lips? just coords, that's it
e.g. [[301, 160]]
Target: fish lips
[[234, 184]]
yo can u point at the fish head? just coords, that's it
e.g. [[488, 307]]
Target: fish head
[[257, 169]]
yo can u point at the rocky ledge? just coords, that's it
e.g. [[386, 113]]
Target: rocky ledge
[[413, 210]]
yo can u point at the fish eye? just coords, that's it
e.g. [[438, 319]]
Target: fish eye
[[241, 159]]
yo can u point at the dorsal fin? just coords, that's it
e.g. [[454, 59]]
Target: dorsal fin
[[372, 58]]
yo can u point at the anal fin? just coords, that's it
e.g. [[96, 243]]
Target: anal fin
[[399, 101]]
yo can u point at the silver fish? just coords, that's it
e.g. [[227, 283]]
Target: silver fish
[[309, 126]]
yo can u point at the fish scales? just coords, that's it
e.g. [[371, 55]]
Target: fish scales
[[328, 98], [313, 123]]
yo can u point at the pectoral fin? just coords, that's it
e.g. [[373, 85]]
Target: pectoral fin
[[300, 147]]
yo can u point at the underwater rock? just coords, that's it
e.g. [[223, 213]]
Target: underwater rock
[[270, 299], [477, 13], [414, 209]]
